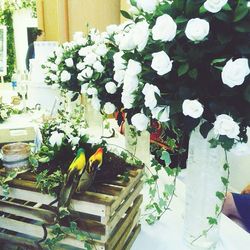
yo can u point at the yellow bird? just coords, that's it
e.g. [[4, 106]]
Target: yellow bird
[[93, 165], [75, 170]]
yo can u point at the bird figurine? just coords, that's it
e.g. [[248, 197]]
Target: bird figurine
[[75, 170], [94, 163]]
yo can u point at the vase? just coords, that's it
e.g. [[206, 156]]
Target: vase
[[203, 180], [93, 118], [137, 144]]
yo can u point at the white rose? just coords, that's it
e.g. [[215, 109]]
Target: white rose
[[65, 76], [53, 66], [111, 87], [197, 29], [148, 6], [92, 91], [127, 100], [134, 11], [141, 35], [214, 6], [225, 125], [53, 77], [149, 92], [161, 63], [69, 62], [84, 88], [85, 51], [109, 108], [119, 62], [56, 139], [140, 121], [192, 108], [133, 68], [127, 41], [95, 102], [240, 149], [161, 113], [234, 72], [87, 73], [164, 29], [80, 65], [98, 66], [90, 59], [101, 50], [58, 60], [130, 83], [74, 140], [119, 76], [118, 37]]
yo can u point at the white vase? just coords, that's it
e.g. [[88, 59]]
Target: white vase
[[203, 180], [138, 145], [93, 118]]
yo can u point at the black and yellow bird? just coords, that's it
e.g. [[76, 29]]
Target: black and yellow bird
[[75, 171], [94, 163]]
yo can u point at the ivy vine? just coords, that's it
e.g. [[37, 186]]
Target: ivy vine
[[6, 18]]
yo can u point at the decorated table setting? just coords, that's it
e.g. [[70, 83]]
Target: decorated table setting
[[166, 92]]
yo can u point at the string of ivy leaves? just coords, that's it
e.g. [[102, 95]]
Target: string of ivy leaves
[[6, 18]]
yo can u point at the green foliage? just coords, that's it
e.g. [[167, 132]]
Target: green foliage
[[6, 18], [4, 182]]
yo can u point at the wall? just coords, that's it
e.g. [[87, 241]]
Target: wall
[[21, 20]]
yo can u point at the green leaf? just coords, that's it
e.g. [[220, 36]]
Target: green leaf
[[226, 166], [181, 19], [126, 14], [217, 209], [218, 60], [151, 219], [227, 7], [242, 26], [165, 156], [169, 171], [212, 221], [183, 69], [169, 190], [157, 208], [213, 143], [202, 10], [241, 10], [225, 181], [220, 195]]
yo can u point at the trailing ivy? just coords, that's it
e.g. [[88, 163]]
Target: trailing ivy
[[6, 18]]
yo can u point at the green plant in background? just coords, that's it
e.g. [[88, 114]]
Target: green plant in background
[[6, 18]]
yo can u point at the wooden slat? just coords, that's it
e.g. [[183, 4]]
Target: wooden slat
[[124, 223], [27, 212], [132, 198], [108, 189], [130, 241]]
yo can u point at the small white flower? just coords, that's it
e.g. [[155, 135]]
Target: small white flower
[[92, 91], [101, 50], [119, 76], [90, 59], [95, 102], [127, 41], [130, 83], [65, 76], [140, 121], [161, 113], [87, 73], [234, 72], [3, 114], [133, 68], [69, 62], [127, 100], [74, 140], [141, 35], [192, 108], [53, 66], [85, 51], [225, 125], [134, 11], [109, 108], [214, 6], [148, 6], [80, 65], [119, 62], [56, 139], [98, 66], [111, 29], [197, 29], [53, 77], [161, 63], [58, 60], [149, 92], [111, 87], [164, 29]]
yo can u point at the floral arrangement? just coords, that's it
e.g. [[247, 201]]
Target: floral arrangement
[[173, 74], [6, 111]]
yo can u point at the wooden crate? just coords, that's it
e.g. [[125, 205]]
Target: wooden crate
[[109, 214]]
